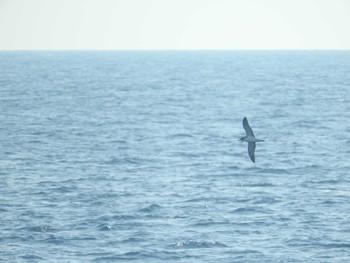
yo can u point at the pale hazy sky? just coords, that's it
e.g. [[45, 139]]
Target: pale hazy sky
[[174, 24]]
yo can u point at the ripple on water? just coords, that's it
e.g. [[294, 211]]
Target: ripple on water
[[32, 258], [43, 228], [192, 244], [266, 200], [150, 209], [105, 227], [251, 210]]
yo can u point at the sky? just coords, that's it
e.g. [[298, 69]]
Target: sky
[[174, 24]]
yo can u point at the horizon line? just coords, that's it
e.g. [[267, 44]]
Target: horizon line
[[173, 50]]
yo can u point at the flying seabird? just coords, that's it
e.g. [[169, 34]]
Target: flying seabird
[[250, 139]]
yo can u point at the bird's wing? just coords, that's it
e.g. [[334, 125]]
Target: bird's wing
[[251, 151], [247, 128]]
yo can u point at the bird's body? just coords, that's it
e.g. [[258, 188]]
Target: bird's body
[[250, 139]]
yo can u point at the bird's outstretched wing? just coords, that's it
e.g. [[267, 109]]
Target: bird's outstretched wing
[[247, 128], [251, 151]]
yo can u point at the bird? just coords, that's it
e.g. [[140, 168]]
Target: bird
[[250, 138]]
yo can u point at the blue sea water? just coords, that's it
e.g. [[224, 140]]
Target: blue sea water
[[133, 156]]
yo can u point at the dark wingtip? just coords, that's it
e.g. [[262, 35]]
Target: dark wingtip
[[245, 120]]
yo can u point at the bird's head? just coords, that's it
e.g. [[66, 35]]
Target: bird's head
[[241, 139]]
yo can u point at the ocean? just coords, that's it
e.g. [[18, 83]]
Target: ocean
[[134, 156]]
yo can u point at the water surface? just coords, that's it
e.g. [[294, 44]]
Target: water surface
[[133, 156]]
